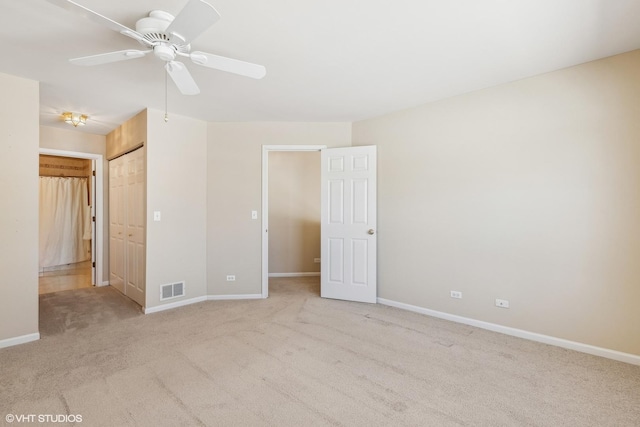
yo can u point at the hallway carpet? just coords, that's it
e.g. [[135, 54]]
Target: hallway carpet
[[66, 311], [295, 359]]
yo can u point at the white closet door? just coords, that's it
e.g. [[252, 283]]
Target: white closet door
[[127, 225], [135, 228], [116, 224]]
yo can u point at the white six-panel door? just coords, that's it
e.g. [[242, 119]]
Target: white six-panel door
[[135, 228], [116, 224], [127, 225], [348, 227]]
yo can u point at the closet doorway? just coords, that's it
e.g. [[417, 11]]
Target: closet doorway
[[70, 207], [348, 221], [290, 213]]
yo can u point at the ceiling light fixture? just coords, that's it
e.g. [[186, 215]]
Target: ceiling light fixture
[[75, 119]]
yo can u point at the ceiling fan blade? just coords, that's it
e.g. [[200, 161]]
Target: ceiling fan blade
[[192, 21], [182, 78], [228, 64], [105, 58], [100, 19]]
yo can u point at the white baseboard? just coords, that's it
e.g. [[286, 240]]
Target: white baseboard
[[23, 339], [233, 297], [532, 336], [182, 303], [294, 274], [105, 283]]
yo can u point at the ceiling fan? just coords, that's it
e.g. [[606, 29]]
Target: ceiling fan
[[167, 37]]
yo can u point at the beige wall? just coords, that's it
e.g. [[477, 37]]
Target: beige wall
[[128, 136], [73, 140], [19, 112], [234, 177], [176, 186], [81, 142], [294, 211], [529, 192]]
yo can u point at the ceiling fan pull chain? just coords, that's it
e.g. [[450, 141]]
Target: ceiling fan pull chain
[[166, 115]]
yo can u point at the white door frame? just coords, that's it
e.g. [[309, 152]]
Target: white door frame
[[99, 198], [265, 203]]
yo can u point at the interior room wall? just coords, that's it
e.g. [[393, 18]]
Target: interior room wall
[[177, 187], [529, 192], [19, 115], [72, 140], [234, 180], [294, 211], [128, 136], [82, 142]]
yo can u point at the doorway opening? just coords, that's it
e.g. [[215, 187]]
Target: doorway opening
[[87, 271], [289, 216], [66, 241]]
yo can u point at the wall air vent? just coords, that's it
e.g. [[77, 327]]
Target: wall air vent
[[172, 290]]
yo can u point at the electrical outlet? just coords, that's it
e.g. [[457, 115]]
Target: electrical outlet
[[231, 278], [456, 294], [502, 303], [316, 260]]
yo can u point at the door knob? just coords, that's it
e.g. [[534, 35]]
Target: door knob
[[371, 231]]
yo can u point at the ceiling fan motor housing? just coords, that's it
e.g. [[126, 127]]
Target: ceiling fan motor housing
[[153, 29], [156, 22]]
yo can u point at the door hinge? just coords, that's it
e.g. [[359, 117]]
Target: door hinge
[[93, 264], [93, 173], [93, 218]]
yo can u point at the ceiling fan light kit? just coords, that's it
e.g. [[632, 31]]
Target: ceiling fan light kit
[[167, 37]]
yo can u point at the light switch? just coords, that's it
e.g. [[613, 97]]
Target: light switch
[[156, 215], [254, 214]]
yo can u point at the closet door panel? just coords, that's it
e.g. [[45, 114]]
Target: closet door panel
[[116, 224], [127, 224], [135, 254]]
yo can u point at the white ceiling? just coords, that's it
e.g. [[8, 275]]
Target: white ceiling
[[326, 60]]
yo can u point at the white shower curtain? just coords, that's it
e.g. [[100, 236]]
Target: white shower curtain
[[65, 221]]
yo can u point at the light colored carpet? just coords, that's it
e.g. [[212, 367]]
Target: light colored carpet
[[65, 312], [298, 360]]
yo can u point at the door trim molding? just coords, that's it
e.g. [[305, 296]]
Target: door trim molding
[[99, 158], [265, 203]]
